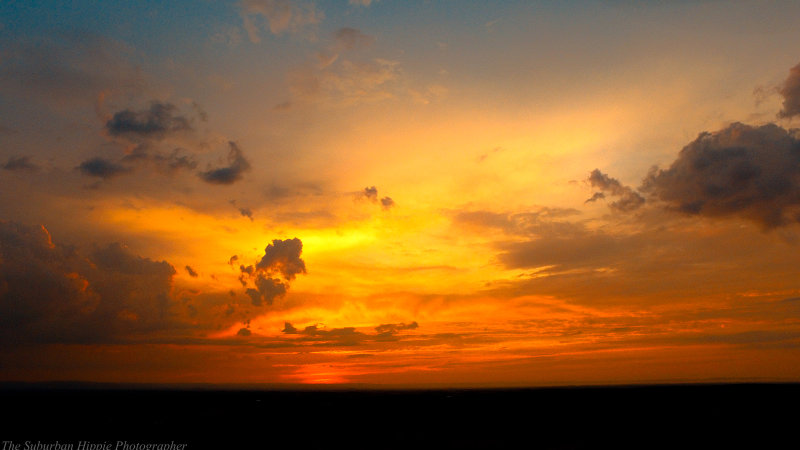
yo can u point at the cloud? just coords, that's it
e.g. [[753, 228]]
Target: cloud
[[337, 75], [371, 193], [791, 94], [387, 203], [392, 328], [741, 170], [244, 332], [319, 335], [102, 168], [267, 290], [246, 212], [343, 81], [234, 171], [191, 272], [52, 293], [628, 199], [334, 336], [283, 256], [281, 16], [596, 196], [20, 163], [155, 123]]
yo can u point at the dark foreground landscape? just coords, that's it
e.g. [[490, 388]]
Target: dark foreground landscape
[[673, 416]]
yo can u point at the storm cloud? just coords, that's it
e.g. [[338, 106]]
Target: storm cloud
[[52, 293], [742, 170]]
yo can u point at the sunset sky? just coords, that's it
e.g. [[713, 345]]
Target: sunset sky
[[422, 193]]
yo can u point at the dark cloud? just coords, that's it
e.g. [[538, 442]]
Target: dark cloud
[[371, 193], [155, 123], [237, 166], [391, 328], [319, 335], [334, 336], [267, 290], [20, 163], [102, 168], [596, 196], [791, 94], [244, 332], [246, 212], [628, 199], [233, 259], [742, 170], [283, 256], [191, 272], [349, 38], [314, 330], [52, 293], [115, 257], [387, 203]]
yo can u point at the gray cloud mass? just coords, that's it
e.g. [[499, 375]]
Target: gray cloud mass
[[154, 123], [281, 257], [102, 168], [742, 170], [627, 199], [52, 293], [233, 172]]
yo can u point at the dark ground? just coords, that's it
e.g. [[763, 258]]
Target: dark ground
[[758, 416]]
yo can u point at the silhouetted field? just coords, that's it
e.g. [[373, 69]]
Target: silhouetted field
[[670, 416]]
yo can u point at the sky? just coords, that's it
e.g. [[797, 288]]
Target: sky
[[421, 193]]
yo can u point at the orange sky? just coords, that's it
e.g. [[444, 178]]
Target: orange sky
[[278, 191]]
